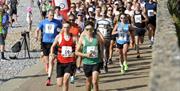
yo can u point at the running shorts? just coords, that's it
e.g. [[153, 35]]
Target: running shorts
[[89, 69], [63, 68]]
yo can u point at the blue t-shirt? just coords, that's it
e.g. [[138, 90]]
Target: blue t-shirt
[[122, 36], [151, 7], [49, 29]]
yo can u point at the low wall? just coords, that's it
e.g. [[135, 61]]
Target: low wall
[[165, 68]]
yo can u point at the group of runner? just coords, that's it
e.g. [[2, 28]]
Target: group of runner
[[93, 29]]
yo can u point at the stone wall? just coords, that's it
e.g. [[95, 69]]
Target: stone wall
[[165, 68]]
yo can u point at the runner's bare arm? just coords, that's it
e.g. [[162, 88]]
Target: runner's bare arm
[[37, 33], [100, 36], [114, 29], [56, 40], [101, 44], [145, 16], [78, 51]]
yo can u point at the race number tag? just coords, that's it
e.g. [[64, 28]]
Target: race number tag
[[66, 51], [103, 31], [138, 19], [49, 28], [122, 36], [150, 13], [93, 50]]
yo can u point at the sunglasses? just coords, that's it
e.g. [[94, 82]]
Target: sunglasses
[[109, 9], [122, 17], [88, 29]]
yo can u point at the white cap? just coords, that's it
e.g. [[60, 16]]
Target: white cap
[[116, 2], [91, 9], [129, 0]]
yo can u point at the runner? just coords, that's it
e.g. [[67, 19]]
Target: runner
[[75, 30], [151, 8], [49, 28], [88, 47], [121, 31], [130, 14], [139, 19], [66, 56], [104, 26]]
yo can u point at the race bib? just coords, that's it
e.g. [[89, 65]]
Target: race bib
[[49, 28], [122, 36], [103, 31], [150, 13], [61, 3], [66, 51], [138, 19], [93, 50]]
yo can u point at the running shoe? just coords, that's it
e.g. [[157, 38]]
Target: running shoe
[[138, 56], [78, 70], [72, 79], [106, 69], [110, 61], [48, 82], [91, 87], [122, 69], [125, 66]]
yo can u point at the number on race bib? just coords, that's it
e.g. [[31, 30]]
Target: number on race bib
[[138, 19], [66, 51], [150, 13], [103, 31], [122, 36], [49, 28], [93, 50]]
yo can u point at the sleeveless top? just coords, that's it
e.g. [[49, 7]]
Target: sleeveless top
[[138, 17], [90, 47], [65, 49], [122, 36]]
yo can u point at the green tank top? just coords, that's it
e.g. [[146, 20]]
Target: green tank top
[[1, 27], [90, 47]]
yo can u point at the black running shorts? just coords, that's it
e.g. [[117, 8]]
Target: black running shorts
[[62, 68], [89, 69]]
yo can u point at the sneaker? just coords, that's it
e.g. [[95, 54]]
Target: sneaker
[[4, 59], [138, 56], [122, 71], [110, 61], [91, 87], [106, 69], [48, 82], [125, 66], [72, 79], [78, 70]]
